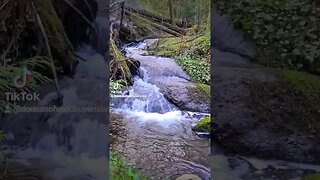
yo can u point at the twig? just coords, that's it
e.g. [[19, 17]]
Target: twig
[[4, 4], [80, 13], [89, 7], [79, 57], [50, 55]]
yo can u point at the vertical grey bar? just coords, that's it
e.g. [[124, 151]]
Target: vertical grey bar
[[107, 91], [212, 89]]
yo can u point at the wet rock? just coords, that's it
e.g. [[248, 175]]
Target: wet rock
[[188, 177], [159, 66], [255, 115], [134, 67], [174, 83], [151, 42], [184, 94]]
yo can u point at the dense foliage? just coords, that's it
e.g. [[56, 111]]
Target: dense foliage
[[287, 32], [198, 69], [193, 11]]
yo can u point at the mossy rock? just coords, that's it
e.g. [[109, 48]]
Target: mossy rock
[[176, 45], [307, 84], [205, 89], [204, 125], [312, 177]]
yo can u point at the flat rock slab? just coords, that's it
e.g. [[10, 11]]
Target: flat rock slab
[[174, 83], [188, 177], [159, 66]]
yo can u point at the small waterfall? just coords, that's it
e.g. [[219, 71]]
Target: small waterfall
[[146, 97], [156, 135]]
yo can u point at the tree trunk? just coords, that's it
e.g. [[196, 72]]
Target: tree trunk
[[170, 11]]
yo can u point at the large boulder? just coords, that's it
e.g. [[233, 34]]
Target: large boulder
[[184, 94]]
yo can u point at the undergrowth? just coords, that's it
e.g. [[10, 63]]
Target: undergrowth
[[8, 72], [286, 32], [198, 69], [121, 170]]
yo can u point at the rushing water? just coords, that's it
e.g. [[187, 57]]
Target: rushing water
[[155, 135], [157, 138]]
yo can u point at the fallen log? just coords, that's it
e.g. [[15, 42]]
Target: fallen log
[[159, 20], [151, 15], [159, 26]]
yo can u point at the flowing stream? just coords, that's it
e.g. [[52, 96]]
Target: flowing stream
[[155, 135], [157, 138]]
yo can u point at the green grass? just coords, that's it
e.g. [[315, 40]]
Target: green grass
[[312, 177], [304, 84], [121, 170]]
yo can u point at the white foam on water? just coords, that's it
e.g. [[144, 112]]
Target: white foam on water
[[135, 48], [153, 107], [165, 120], [146, 97]]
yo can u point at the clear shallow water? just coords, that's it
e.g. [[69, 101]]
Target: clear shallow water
[[156, 136], [161, 143]]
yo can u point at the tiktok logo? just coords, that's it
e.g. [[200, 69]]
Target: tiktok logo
[[116, 86], [21, 81]]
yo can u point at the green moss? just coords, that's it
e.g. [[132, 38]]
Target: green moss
[[177, 45], [204, 125], [118, 62], [303, 82], [205, 89], [312, 177]]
